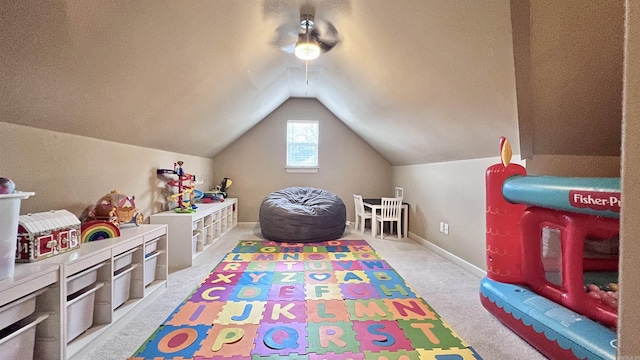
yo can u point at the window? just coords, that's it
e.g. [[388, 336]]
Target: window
[[302, 145]]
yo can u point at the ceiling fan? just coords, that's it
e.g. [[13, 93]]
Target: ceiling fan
[[308, 39]]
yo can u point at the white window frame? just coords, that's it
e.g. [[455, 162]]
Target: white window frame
[[301, 168]]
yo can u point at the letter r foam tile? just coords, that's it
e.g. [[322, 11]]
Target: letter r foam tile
[[337, 337]]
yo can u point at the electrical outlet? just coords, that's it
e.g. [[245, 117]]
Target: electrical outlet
[[441, 227], [446, 229]]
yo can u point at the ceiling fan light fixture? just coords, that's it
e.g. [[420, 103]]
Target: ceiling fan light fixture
[[307, 49]]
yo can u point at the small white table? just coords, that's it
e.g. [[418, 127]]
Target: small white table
[[375, 204]]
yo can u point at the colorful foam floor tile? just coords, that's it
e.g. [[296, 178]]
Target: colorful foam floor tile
[[327, 300]]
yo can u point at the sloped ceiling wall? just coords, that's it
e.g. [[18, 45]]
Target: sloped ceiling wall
[[421, 81]]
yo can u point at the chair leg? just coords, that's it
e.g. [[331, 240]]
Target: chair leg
[[356, 222], [364, 221], [398, 230]]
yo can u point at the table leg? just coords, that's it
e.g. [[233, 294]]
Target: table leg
[[405, 223]]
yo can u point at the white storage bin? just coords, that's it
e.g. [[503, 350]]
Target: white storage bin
[[151, 246], [122, 260], [82, 279], [194, 225], [19, 309], [80, 311], [122, 285], [150, 268], [10, 210], [17, 341], [194, 242]]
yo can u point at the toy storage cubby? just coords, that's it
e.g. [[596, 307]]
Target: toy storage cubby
[[193, 233], [96, 286], [30, 313]]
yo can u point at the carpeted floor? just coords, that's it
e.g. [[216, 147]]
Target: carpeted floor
[[326, 300], [449, 290]]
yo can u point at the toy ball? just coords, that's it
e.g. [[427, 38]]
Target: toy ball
[[7, 186]]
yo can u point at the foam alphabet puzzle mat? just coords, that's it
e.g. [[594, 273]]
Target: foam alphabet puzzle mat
[[328, 300]]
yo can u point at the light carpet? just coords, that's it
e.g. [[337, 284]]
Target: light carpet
[[449, 289]]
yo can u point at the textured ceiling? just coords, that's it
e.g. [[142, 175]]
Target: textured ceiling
[[421, 81]]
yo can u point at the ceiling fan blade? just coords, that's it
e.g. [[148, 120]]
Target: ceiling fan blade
[[286, 37], [326, 35]]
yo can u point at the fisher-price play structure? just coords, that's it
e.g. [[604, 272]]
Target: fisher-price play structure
[[187, 194], [552, 259]]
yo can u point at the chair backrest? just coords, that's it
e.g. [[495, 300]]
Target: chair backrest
[[399, 192], [357, 199], [391, 208]]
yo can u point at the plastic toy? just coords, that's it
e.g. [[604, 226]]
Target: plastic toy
[[220, 191], [7, 186], [116, 208], [551, 242], [187, 194]]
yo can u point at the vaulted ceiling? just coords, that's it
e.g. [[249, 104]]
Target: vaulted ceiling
[[419, 80]]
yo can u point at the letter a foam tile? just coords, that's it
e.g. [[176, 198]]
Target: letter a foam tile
[[333, 300]]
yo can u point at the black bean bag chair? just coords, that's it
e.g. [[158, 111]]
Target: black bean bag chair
[[302, 214]]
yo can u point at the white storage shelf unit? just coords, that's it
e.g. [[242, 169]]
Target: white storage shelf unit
[[192, 233], [30, 313], [99, 284]]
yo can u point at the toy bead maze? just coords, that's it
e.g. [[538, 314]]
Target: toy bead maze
[[326, 300], [552, 259]]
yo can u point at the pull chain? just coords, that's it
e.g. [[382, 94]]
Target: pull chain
[[306, 77]]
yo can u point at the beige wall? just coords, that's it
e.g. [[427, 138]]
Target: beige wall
[[256, 161], [454, 192], [568, 59], [72, 172], [574, 166]]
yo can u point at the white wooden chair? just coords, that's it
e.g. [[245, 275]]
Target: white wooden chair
[[361, 214], [391, 210], [399, 192]]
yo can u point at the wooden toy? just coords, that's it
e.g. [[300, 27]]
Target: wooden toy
[[98, 230], [42, 235], [116, 208]]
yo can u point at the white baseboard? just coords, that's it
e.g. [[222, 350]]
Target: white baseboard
[[474, 270], [249, 224]]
